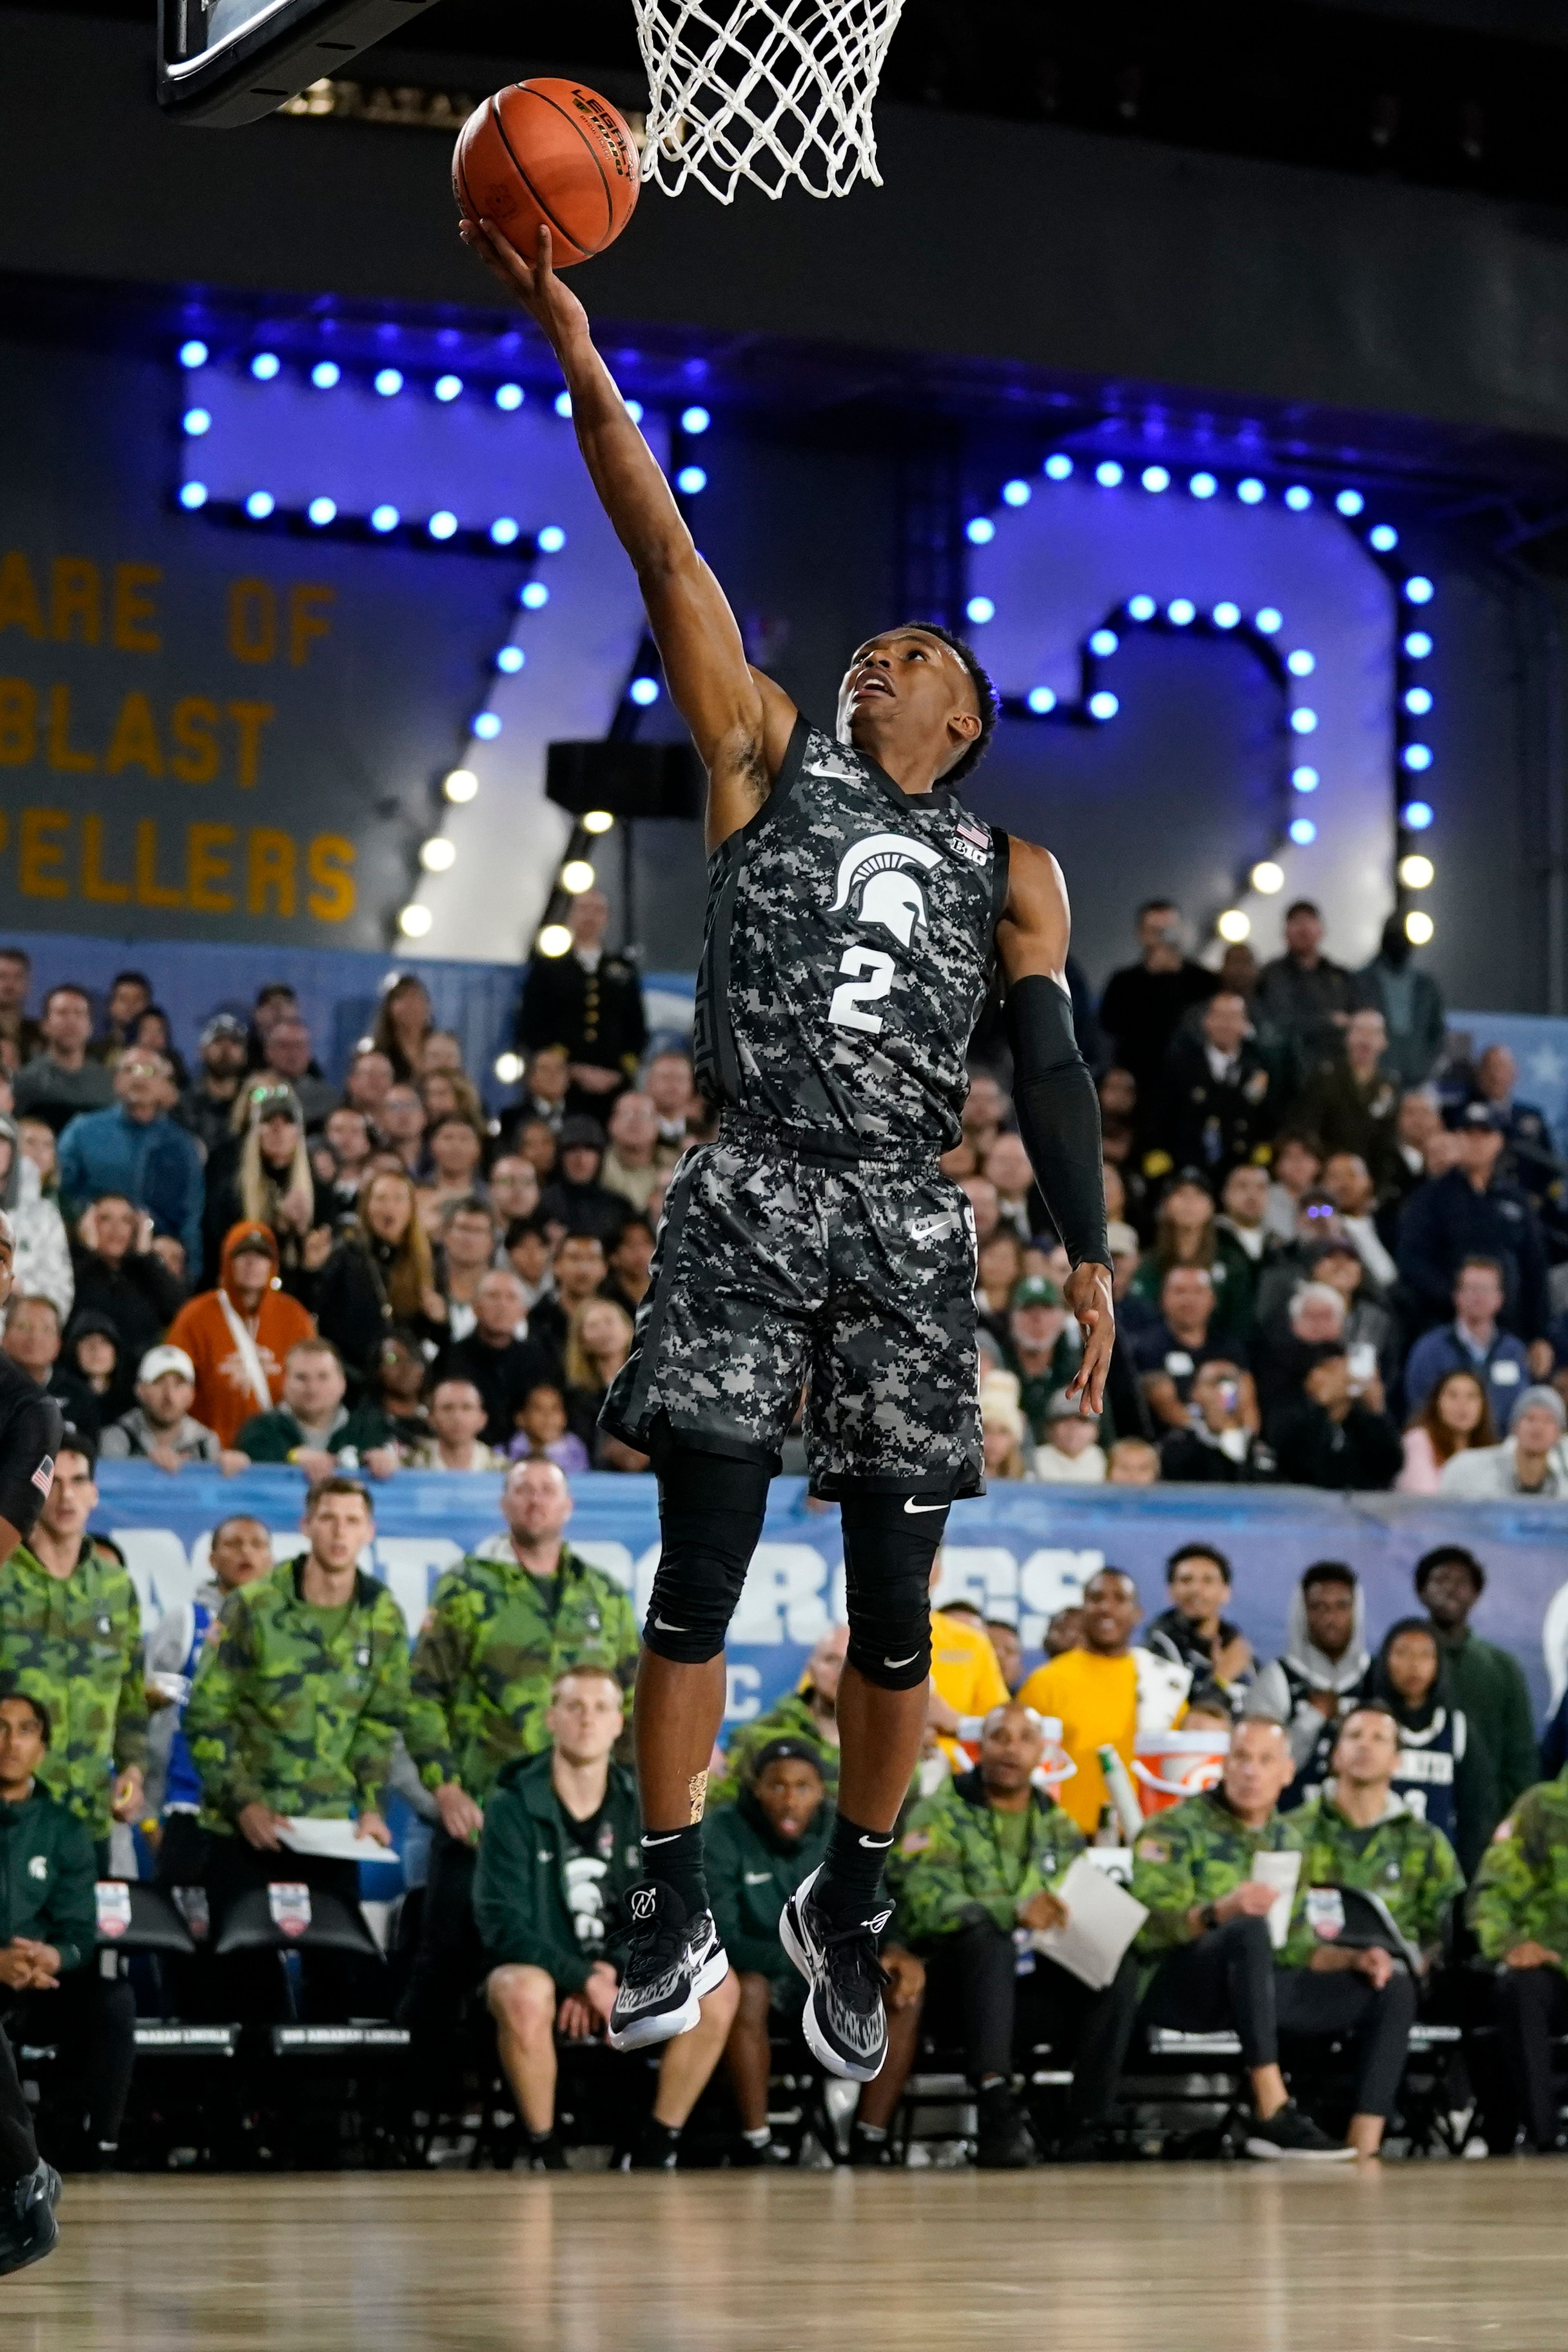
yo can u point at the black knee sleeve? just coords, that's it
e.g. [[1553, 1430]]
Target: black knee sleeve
[[710, 1517], [889, 1543]]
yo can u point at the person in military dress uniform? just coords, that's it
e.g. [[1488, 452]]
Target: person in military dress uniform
[[588, 1004]]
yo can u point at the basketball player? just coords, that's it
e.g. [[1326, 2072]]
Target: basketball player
[[855, 911], [31, 1427]]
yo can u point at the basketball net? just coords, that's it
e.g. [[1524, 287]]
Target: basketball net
[[773, 91]]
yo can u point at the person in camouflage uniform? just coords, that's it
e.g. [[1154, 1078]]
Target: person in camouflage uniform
[[293, 1714], [979, 1862], [1518, 1909], [70, 1634], [501, 1629], [808, 1713]]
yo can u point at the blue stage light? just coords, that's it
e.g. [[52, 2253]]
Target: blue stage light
[[321, 512], [510, 660], [197, 420], [1141, 608], [1108, 474], [1058, 466], [486, 725], [447, 387], [1417, 702], [1301, 664], [504, 529], [441, 524], [1102, 706], [1269, 621], [1297, 498], [325, 375], [510, 397], [979, 531], [193, 495], [1350, 502], [1251, 491], [1227, 615], [1040, 699], [384, 517], [1383, 538], [980, 610], [1155, 477], [387, 382], [259, 505], [550, 539], [1417, 590], [1203, 486], [1417, 814], [1304, 722], [1303, 831], [644, 691], [634, 410], [563, 403], [1104, 642], [1181, 612], [1418, 757], [264, 366], [194, 353], [1417, 644], [1305, 779], [1017, 493], [690, 480], [535, 596], [694, 420]]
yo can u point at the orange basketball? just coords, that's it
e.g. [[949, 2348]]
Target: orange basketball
[[547, 150]]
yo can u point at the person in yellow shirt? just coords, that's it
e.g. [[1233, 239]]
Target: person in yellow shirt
[[966, 1678], [1094, 1691]]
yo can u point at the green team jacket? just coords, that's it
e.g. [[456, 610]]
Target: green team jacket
[[751, 1873], [1193, 1854], [1406, 1861], [77, 1644], [949, 1870], [279, 1713], [1521, 1891], [790, 1719], [537, 1898], [47, 1872], [493, 1642], [274, 1436]]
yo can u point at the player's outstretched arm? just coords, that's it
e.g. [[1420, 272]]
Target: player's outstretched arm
[[1053, 1094], [740, 720]]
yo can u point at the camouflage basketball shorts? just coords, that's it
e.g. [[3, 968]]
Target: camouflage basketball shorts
[[778, 1272]]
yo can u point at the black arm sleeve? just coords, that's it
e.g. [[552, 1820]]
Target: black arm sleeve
[[1059, 1114], [29, 1442]]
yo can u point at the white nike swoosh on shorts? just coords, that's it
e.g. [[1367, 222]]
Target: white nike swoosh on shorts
[[911, 1510], [661, 1626]]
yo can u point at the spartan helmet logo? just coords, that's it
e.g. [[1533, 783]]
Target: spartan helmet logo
[[888, 894]]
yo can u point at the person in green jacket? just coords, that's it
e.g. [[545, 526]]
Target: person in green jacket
[[50, 1988], [558, 1857], [293, 1714], [502, 1627], [981, 1864], [808, 1713], [1486, 1682], [1518, 1909], [759, 1849], [313, 1428], [70, 1634]]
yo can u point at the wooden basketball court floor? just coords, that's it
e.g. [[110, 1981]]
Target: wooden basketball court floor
[[1123, 2259]]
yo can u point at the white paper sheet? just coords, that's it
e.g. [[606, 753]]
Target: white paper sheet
[[1102, 1920], [1280, 1871], [332, 1842]]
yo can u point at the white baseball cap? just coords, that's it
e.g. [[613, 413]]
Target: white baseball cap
[[164, 1358]]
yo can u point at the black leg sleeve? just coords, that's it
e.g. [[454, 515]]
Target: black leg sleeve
[[19, 2149], [1225, 1979], [1528, 2003]]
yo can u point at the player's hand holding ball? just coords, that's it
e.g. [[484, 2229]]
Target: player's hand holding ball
[[545, 174]]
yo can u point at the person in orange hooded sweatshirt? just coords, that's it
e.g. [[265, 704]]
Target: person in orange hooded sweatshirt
[[238, 1335]]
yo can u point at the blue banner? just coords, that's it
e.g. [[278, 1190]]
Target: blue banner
[[1023, 1551]]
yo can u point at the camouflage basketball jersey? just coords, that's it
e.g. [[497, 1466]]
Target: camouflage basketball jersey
[[847, 952]]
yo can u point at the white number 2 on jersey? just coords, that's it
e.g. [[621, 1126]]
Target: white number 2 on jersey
[[871, 977]]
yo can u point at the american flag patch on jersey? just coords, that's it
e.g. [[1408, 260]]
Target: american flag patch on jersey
[[970, 831], [44, 1475]]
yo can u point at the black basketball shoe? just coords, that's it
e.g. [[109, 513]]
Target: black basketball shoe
[[27, 2225], [671, 1961], [844, 2022]]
